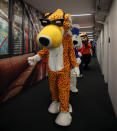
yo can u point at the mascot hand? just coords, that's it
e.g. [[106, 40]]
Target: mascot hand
[[80, 54], [33, 60], [76, 71], [78, 61]]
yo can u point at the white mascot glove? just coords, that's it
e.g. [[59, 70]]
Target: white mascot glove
[[78, 61], [76, 71], [33, 60], [80, 54]]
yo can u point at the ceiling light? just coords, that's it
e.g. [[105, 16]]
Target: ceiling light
[[90, 35], [86, 27], [81, 15], [86, 32]]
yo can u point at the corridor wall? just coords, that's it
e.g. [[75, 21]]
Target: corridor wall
[[107, 52], [112, 83], [100, 50]]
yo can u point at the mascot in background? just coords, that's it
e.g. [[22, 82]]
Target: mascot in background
[[77, 45], [60, 56], [86, 52]]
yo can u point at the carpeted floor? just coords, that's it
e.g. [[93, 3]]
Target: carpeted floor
[[92, 109]]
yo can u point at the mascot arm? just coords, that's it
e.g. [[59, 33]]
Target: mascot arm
[[80, 54], [33, 60], [43, 53], [72, 53], [36, 58], [78, 61]]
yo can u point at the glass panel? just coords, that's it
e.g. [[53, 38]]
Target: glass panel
[[30, 37], [34, 38], [4, 27], [17, 24], [26, 34]]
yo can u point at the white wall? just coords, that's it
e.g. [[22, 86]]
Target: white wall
[[106, 48], [112, 81], [107, 53], [100, 50]]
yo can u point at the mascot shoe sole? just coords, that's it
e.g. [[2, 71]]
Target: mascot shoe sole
[[63, 119]]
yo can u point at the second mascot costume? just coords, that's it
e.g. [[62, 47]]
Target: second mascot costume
[[77, 45], [59, 53], [86, 52]]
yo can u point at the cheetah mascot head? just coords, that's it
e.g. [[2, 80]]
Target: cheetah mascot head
[[55, 25]]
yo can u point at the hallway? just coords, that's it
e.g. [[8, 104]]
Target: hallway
[[92, 109]]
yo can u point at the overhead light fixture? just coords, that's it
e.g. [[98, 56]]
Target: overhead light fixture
[[86, 27], [86, 32], [90, 35], [81, 14], [100, 22]]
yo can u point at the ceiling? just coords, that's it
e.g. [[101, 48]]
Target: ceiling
[[74, 7]]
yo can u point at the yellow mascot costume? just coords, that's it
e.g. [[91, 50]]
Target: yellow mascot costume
[[60, 56]]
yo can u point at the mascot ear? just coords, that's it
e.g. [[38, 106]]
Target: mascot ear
[[66, 17], [47, 14]]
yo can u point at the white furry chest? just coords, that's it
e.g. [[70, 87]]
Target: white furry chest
[[56, 58]]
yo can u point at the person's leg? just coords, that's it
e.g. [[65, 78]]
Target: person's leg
[[64, 118], [53, 85], [64, 90], [73, 82], [54, 106]]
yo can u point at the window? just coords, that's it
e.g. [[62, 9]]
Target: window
[[17, 28], [4, 27], [24, 26], [26, 34], [30, 37]]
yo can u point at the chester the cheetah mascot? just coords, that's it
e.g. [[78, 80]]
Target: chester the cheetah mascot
[[60, 56]]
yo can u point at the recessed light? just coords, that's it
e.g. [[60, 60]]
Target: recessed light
[[81, 14], [86, 26], [86, 32]]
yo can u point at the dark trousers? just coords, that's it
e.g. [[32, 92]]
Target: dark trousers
[[86, 59], [81, 67]]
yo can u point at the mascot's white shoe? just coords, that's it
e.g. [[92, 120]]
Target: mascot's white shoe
[[63, 119], [70, 108], [54, 107], [75, 90]]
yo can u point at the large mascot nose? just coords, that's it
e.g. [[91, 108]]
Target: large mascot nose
[[44, 41], [75, 42]]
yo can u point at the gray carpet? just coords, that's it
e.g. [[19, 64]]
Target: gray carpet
[[92, 109]]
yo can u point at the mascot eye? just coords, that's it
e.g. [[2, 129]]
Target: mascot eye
[[58, 22], [44, 22]]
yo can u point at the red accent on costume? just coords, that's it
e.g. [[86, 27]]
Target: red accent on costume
[[87, 49]]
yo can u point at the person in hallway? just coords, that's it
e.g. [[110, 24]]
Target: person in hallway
[[60, 56], [86, 52]]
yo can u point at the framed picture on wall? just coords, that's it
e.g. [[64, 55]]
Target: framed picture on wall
[[4, 27]]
